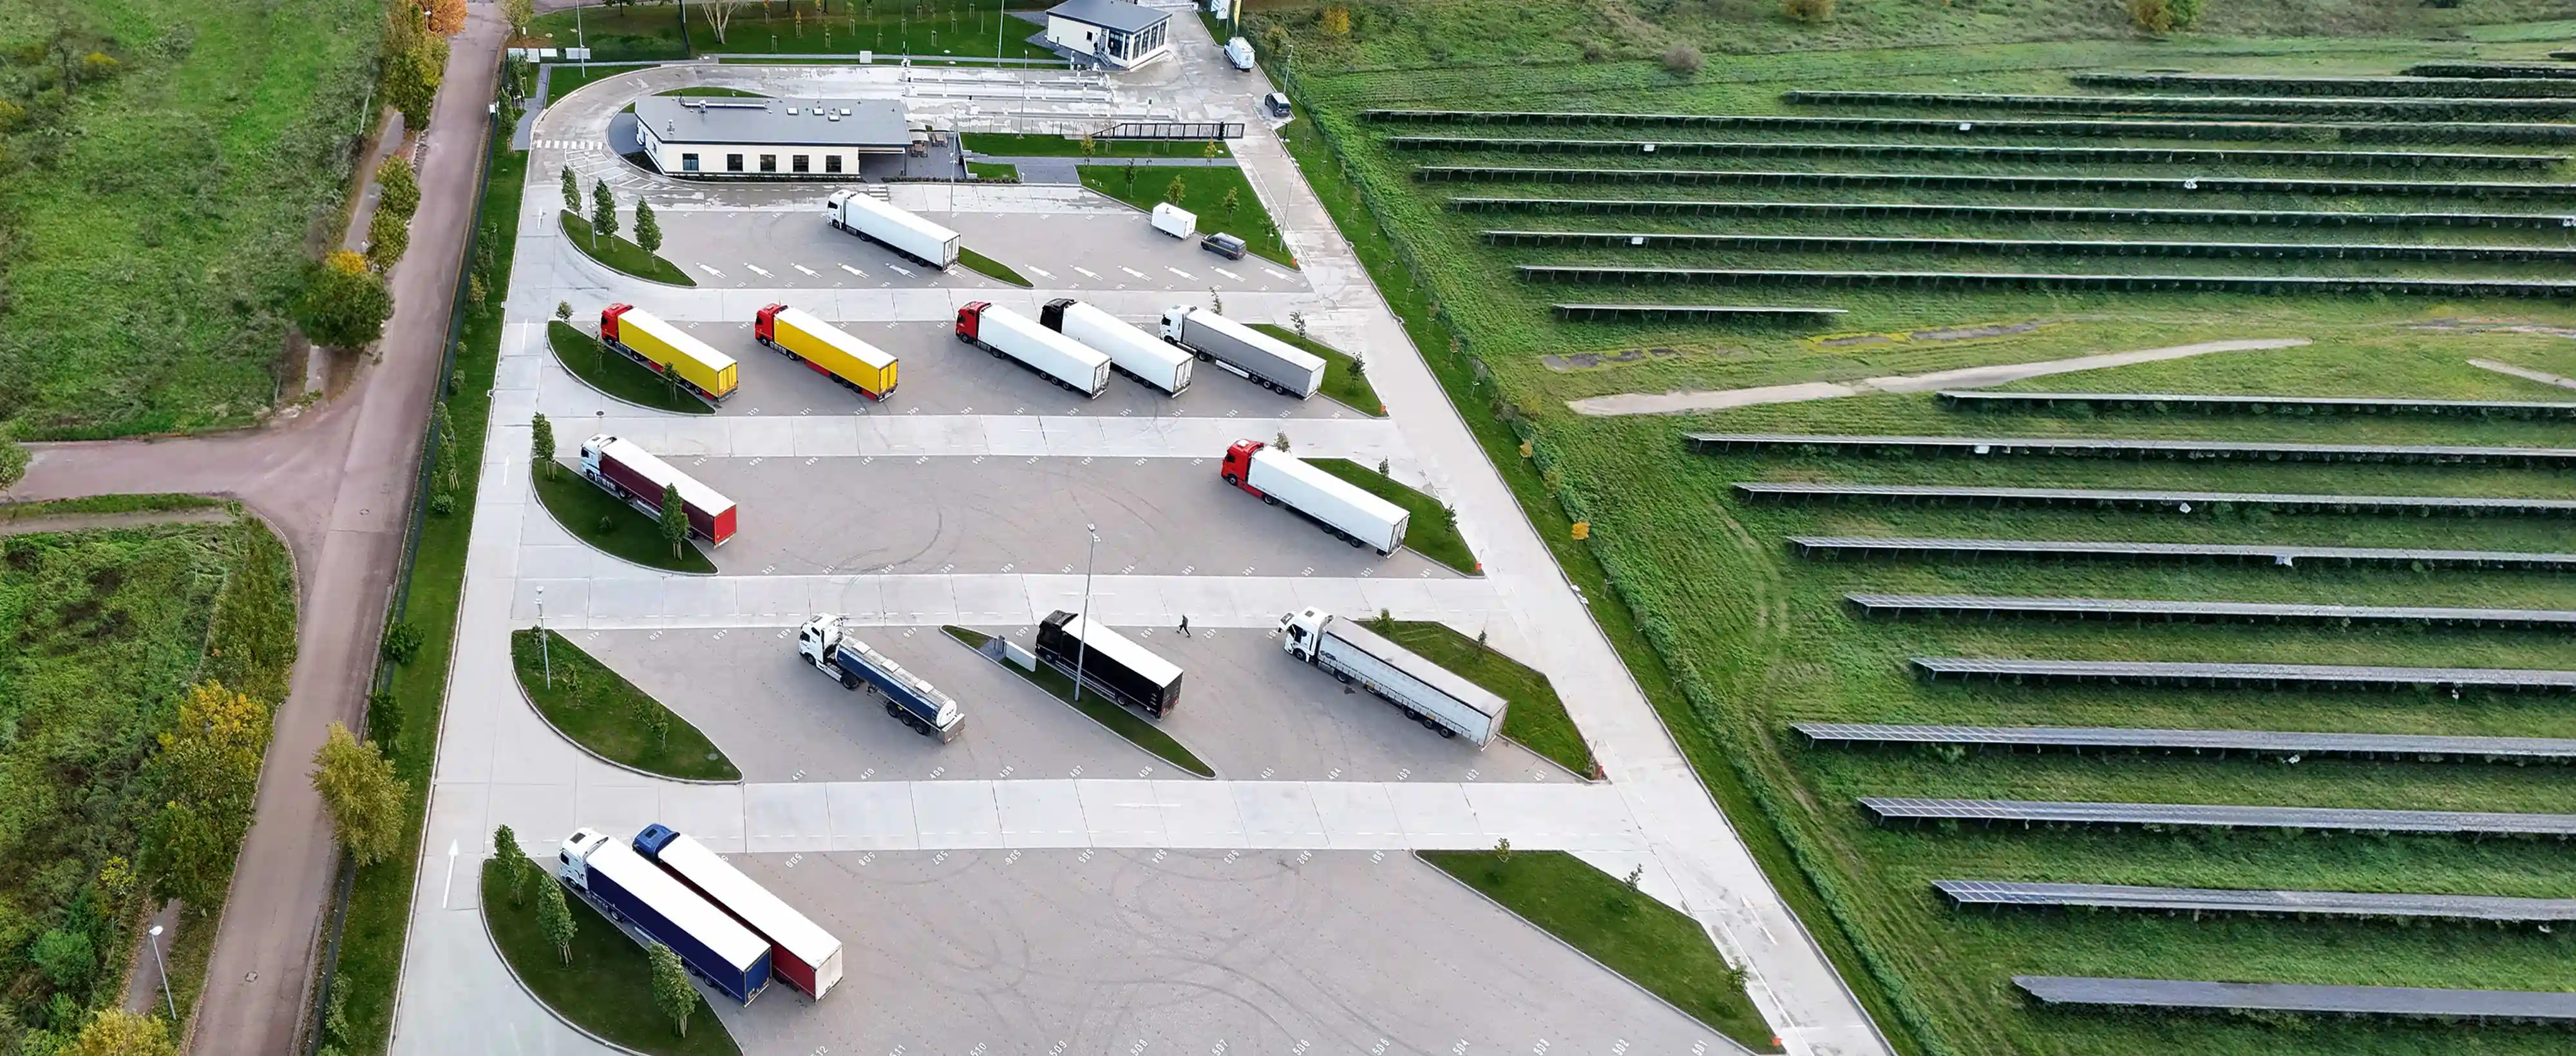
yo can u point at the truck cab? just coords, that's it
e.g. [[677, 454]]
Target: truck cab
[[815, 642], [1299, 633], [574, 855], [1237, 466], [970, 321], [764, 324]]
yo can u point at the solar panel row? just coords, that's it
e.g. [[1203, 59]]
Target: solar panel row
[[2272, 743], [1682, 313], [2175, 501], [2099, 447], [2404, 1002], [2140, 610], [2255, 676], [2277, 556], [2160, 401], [1820, 243], [2196, 815], [2301, 903], [2047, 280], [2071, 214]]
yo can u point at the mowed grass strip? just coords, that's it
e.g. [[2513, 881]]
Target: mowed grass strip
[[1537, 718], [607, 986], [597, 708], [926, 31], [604, 369], [1654, 945], [621, 254], [604, 521], [1344, 379], [1017, 145], [990, 268], [1433, 529], [1135, 728], [1202, 191]]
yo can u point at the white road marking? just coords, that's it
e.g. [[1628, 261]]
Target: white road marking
[[1043, 273], [764, 272], [1229, 274], [1277, 274], [1088, 271], [809, 272], [711, 270], [901, 268], [854, 271], [1131, 271], [1179, 272]]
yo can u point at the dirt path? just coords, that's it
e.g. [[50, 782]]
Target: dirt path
[[336, 483], [2525, 373], [1964, 378]]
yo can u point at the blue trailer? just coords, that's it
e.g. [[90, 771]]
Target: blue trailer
[[652, 907], [826, 642]]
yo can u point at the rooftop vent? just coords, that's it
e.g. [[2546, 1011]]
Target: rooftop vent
[[791, 111]]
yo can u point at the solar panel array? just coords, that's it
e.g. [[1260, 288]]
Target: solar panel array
[[1680, 313], [2277, 556], [2141, 672], [2067, 214], [2253, 742], [2333, 186], [1821, 243], [2177, 501], [2116, 128], [2302, 903], [2036, 280], [2083, 155], [2193, 402], [2405, 1002], [2142, 610], [2196, 815], [2340, 106], [2100, 447]]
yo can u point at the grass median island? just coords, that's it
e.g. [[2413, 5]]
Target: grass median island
[[1102, 710], [1017, 145], [622, 254], [604, 369], [607, 986], [600, 710], [1432, 531], [1343, 379], [1203, 191], [1654, 945], [1001, 171], [1537, 718], [990, 268], [604, 521]]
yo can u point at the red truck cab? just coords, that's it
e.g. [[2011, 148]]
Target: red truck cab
[[970, 320], [608, 320], [764, 325], [1238, 464]]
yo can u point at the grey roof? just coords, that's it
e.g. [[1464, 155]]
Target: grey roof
[[2403, 1001], [2263, 742], [2203, 611], [2330, 819], [2220, 900], [766, 122], [1109, 14], [2143, 672], [2165, 500]]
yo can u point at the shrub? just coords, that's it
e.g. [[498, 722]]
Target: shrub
[[1684, 60], [2185, 12], [401, 187], [1807, 11], [1336, 21], [2152, 16], [402, 643], [1595, 51]]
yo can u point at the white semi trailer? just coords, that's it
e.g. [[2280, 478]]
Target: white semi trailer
[[894, 228], [1341, 507], [1058, 358], [1269, 362], [1133, 352], [1426, 692]]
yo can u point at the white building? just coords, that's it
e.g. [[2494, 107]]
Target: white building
[[1112, 33], [814, 139]]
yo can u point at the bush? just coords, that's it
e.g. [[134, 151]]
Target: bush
[[1684, 60], [402, 643], [2152, 16], [2185, 12], [1807, 11], [401, 188], [1595, 51]]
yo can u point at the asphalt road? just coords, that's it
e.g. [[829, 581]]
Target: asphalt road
[[1093, 244]]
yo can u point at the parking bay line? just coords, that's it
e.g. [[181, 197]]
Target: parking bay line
[[1179, 272], [809, 272], [1229, 274], [711, 270], [764, 272]]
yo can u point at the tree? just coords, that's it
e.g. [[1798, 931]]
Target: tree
[[719, 14], [401, 188], [360, 790], [675, 518], [1807, 11], [344, 305], [571, 192], [648, 232], [388, 235], [411, 80], [515, 865], [554, 921], [519, 13], [671, 990], [1280, 443], [446, 16], [1684, 60], [206, 774], [2185, 12], [1174, 191], [1231, 203], [65, 957], [541, 443], [603, 213], [1336, 21], [2152, 16], [563, 311], [116, 1032]]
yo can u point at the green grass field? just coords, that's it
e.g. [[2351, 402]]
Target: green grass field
[[600, 710], [802, 27], [1733, 638], [1016, 145], [1203, 192], [1121, 721], [616, 375], [602, 520], [1430, 533], [990, 268], [620, 253], [1537, 718], [1343, 379], [994, 170], [155, 226], [606, 986]]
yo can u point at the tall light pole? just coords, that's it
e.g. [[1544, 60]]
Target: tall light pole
[[166, 1000], [1082, 644], [545, 647]]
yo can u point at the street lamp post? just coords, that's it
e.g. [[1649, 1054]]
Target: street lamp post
[[167, 1001], [1081, 644], [545, 648]]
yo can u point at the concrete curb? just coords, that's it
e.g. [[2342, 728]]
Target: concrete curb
[[585, 749], [483, 913]]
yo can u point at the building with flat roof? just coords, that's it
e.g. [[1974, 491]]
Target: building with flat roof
[[820, 139], [1113, 33]]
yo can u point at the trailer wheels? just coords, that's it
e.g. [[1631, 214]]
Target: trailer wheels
[[1353, 540], [1447, 733], [1270, 499], [849, 681]]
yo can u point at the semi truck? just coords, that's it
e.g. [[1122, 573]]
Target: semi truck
[[826, 642], [652, 907], [1265, 360], [1339, 506], [1109, 663], [1424, 691], [663, 348], [1055, 357], [827, 349], [801, 954], [893, 228], [631, 473], [1131, 351]]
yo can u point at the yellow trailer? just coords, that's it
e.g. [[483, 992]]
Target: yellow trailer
[[710, 374], [826, 348]]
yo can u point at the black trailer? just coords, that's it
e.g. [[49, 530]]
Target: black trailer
[[1109, 663]]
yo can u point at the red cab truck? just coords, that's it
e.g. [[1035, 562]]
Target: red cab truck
[[631, 473]]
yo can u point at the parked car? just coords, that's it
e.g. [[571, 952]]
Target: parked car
[[1276, 103], [1223, 245]]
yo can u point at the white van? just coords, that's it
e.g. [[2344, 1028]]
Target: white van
[[1239, 52]]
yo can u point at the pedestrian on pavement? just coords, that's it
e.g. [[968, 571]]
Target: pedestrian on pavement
[[1185, 625]]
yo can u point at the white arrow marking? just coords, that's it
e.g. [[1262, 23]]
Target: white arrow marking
[[451, 875]]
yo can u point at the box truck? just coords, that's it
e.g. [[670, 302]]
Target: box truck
[[857, 365], [801, 954], [634, 475], [1057, 358], [1131, 351], [661, 347], [651, 907], [826, 642], [1339, 506], [1267, 361], [893, 228], [1109, 663], [1175, 221], [1426, 692]]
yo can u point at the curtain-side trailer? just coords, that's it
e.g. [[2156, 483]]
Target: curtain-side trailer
[[1131, 351], [1426, 692], [663, 348], [1110, 663], [825, 642], [893, 228], [1057, 358], [1269, 362], [629, 472], [800, 952], [1339, 506], [826, 349], [650, 906]]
